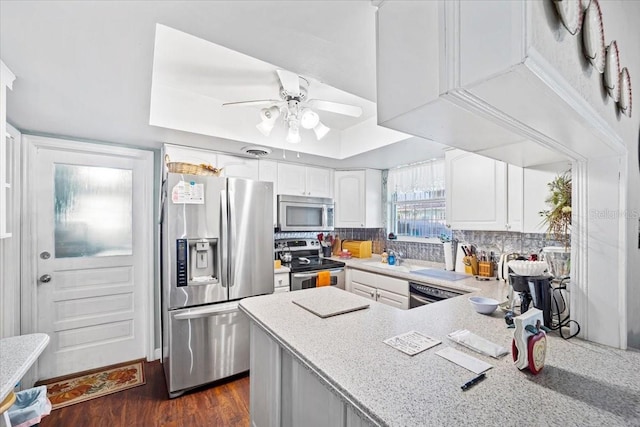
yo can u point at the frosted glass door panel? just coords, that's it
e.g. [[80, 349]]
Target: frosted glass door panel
[[93, 211]]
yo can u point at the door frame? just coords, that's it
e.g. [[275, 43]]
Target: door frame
[[28, 283]]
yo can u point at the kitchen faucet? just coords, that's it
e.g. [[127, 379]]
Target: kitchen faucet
[[399, 256]]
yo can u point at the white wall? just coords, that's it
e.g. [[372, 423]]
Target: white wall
[[564, 51]]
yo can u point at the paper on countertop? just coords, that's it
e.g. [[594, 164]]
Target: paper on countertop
[[477, 343], [412, 342], [476, 366]]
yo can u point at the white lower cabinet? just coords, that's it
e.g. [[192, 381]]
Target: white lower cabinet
[[377, 287], [284, 392], [281, 282]]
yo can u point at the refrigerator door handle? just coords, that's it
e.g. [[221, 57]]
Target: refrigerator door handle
[[231, 232], [207, 312], [224, 236]]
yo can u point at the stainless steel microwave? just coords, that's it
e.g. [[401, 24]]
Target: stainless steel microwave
[[298, 213]]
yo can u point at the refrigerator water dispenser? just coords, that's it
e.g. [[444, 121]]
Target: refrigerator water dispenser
[[197, 262]]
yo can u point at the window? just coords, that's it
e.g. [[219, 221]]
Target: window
[[416, 200]]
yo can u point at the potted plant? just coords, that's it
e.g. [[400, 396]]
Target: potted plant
[[558, 222]]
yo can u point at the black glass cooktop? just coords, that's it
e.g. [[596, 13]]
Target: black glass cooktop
[[314, 264]]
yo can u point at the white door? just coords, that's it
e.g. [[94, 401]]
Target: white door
[[93, 253]]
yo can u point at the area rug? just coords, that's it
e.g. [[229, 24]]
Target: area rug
[[97, 383]]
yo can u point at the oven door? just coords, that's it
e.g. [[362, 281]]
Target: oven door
[[307, 279]]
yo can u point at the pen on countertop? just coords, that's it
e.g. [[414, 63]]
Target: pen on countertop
[[473, 381]]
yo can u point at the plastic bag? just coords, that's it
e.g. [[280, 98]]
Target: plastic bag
[[30, 407]]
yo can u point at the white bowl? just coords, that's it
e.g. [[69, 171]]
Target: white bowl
[[484, 305], [528, 268]]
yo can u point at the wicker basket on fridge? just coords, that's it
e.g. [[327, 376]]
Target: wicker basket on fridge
[[190, 168]]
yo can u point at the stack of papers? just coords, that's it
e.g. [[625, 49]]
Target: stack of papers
[[412, 342], [477, 343]]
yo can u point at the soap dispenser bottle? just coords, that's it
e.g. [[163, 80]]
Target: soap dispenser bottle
[[392, 258]]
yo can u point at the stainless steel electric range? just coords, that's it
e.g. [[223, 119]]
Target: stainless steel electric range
[[305, 261]]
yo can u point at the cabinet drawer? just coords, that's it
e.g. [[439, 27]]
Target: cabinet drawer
[[393, 299], [364, 277], [391, 284], [281, 280], [363, 290]]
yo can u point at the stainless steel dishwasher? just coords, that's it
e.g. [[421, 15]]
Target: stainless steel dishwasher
[[421, 294]]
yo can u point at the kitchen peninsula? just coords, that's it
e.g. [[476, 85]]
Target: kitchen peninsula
[[336, 371]]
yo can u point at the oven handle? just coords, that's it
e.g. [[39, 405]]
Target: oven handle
[[303, 275], [421, 299]]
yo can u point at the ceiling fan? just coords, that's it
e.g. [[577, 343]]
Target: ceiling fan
[[296, 110]]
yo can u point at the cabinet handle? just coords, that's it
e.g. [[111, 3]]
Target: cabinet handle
[[448, 225], [280, 281], [373, 294]]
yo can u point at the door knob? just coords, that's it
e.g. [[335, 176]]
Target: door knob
[[45, 278]]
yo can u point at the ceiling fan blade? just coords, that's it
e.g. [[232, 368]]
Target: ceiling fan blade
[[290, 81], [256, 102], [336, 107]]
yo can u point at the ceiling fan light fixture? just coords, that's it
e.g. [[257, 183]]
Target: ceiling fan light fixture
[[309, 119], [266, 126], [271, 113], [293, 136], [269, 117], [321, 130]]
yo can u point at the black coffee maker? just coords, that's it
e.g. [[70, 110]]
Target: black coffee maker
[[536, 290]]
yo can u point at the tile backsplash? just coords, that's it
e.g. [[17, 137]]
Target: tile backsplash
[[489, 241]]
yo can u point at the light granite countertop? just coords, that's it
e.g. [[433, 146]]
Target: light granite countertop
[[17, 354], [582, 384]]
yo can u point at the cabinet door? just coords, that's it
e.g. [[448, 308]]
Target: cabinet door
[[268, 171], [350, 199], [394, 300], [515, 198], [238, 167], [291, 179], [265, 386], [363, 290], [319, 182], [476, 192]]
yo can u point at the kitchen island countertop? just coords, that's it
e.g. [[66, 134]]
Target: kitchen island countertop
[[17, 354], [581, 384]]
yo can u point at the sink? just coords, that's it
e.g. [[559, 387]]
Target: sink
[[384, 266]]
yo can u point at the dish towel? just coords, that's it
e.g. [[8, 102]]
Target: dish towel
[[324, 279]]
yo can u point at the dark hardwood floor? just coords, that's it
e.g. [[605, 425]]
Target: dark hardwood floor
[[223, 404]]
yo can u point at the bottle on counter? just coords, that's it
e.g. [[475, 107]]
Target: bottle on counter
[[384, 257], [392, 258]]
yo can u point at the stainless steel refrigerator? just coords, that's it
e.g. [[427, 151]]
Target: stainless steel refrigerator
[[217, 247]]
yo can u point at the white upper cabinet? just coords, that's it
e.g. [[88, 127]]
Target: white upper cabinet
[[297, 180], [493, 78], [515, 198], [487, 194], [476, 189], [238, 167], [6, 82], [358, 197]]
